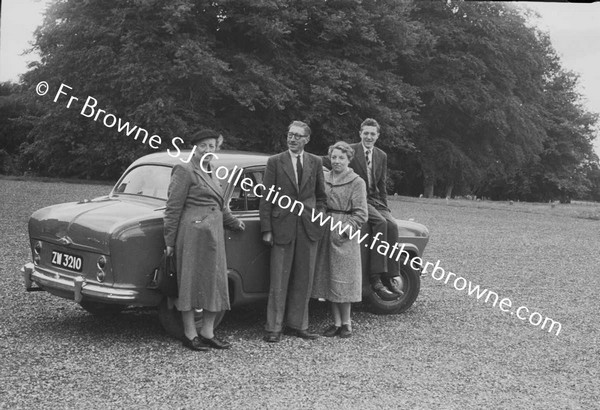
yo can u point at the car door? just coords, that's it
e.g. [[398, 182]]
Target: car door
[[246, 253]]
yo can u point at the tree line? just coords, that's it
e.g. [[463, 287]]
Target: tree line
[[472, 99]]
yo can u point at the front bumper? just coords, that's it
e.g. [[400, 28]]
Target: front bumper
[[76, 288]]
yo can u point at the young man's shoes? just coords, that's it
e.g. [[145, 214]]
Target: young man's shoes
[[332, 331], [383, 292], [195, 344], [394, 286]]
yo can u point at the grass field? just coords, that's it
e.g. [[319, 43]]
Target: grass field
[[449, 351]]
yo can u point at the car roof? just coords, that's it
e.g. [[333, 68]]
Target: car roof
[[222, 158]]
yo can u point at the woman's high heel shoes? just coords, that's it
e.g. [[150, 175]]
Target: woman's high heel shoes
[[195, 344], [215, 343]]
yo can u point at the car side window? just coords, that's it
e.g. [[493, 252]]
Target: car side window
[[247, 200]]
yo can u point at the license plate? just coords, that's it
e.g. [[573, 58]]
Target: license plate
[[67, 261]]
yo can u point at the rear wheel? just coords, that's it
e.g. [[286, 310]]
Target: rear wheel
[[411, 285], [170, 319], [102, 309]]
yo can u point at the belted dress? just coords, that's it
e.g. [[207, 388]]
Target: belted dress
[[338, 272]]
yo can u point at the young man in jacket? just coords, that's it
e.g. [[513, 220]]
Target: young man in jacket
[[370, 163]]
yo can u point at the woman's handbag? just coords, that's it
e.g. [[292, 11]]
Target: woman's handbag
[[165, 276]]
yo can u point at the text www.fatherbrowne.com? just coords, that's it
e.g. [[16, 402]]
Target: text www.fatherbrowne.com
[[438, 273]]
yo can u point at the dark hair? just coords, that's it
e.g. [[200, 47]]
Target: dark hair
[[344, 147], [370, 122], [205, 134], [300, 124]]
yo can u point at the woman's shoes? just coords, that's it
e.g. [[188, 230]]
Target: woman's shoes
[[344, 331], [332, 331], [195, 344], [215, 343], [202, 344]]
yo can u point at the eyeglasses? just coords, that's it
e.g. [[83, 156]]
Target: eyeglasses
[[293, 135]]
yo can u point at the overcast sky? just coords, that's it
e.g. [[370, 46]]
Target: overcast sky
[[574, 30]]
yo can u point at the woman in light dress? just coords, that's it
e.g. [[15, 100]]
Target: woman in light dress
[[338, 273]]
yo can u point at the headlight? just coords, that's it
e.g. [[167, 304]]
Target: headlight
[[101, 262], [100, 275]]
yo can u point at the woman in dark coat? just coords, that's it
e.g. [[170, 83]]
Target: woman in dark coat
[[194, 220]]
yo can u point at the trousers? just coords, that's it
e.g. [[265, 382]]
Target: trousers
[[383, 222], [291, 272]]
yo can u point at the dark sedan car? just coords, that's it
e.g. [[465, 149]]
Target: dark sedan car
[[103, 252]]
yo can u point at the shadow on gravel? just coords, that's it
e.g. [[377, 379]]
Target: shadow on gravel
[[252, 318], [142, 324], [245, 319], [131, 324]]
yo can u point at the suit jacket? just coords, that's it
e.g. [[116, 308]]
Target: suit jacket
[[280, 175], [359, 165]]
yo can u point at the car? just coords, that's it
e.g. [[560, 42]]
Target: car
[[103, 252]]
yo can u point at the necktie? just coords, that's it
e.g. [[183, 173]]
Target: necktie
[[299, 169], [369, 168]]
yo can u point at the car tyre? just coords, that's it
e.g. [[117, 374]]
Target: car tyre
[[170, 319], [411, 285], [102, 309]]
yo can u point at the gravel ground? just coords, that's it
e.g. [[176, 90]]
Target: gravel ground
[[448, 351]]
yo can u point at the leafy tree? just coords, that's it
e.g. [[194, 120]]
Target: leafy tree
[[244, 67], [593, 174], [470, 97], [567, 156], [14, 127], [564, 166], [130, 57], [480, 84]]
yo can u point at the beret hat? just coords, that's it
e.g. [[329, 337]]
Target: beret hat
[[202, 135]]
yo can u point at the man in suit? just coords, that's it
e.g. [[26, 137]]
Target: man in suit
[[293, 237], [370, 163]]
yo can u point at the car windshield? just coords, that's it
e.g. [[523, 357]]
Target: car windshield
[[146, 180]]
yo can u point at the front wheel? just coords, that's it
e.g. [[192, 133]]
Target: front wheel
[[411, 285], [170, 319]]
